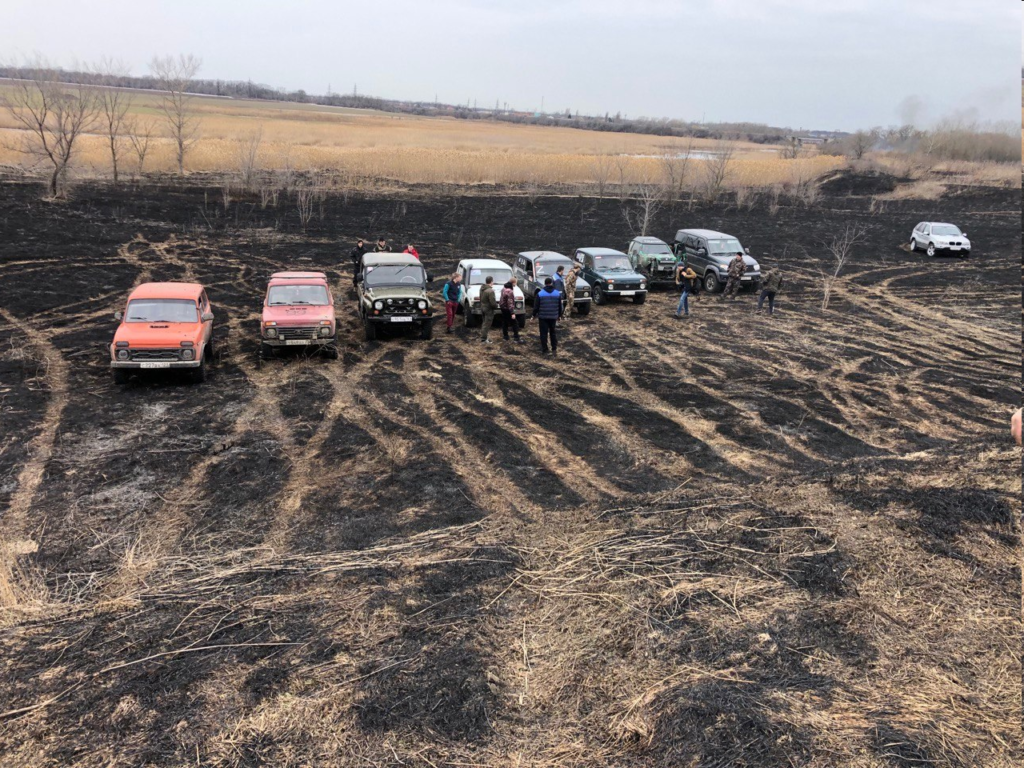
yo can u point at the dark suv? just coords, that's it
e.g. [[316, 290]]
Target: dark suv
[[708, 253], [611, 275]]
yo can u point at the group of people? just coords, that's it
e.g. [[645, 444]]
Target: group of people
[[689, 284], [360, 250]]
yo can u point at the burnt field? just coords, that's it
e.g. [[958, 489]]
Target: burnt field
[[734, 541]]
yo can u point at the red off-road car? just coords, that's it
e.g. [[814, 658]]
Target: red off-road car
[[298, 311]]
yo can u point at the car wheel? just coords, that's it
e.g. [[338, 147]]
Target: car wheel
[[583, 309], [370, 329], [913, 245], [427, 330], [711, 284], [931, 249], [640, 298], [473, 321], [121, 376], [266, 351], [332, 352], [199, 374], [598, 294]]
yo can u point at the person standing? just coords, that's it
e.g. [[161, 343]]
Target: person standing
[[489, 304], [560, 282], [770, 285], [686, 279], [570, 289], [734, 277], [547, 307], [356, 255], [452, 293], [507, 304], [382, 246], [411, 250]]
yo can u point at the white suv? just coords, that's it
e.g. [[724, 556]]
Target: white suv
[[935, 236], [474, 273]]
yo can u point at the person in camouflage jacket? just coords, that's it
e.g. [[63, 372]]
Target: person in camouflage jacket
[[771, 282], [570, 288], [734, 276]]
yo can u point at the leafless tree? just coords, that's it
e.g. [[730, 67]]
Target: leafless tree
[[716, 169], [791, 149], [175, 74], [859, 143], [53, 115], [840, 247], [140, 134], [602, 172], [249, 158], [622, 165], [641, 210], [674, 169], [114, 105]]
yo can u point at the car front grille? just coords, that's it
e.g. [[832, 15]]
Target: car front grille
[[750, 267], [627, 286], [400, 306], [296, 333], [155, 355]]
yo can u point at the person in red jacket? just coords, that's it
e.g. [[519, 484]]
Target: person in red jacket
[[411, 250]]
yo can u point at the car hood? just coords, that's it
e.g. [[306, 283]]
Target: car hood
[[395, 292], [582, 284], [750, 261], [297, 315], [620, 275], [158, 334]]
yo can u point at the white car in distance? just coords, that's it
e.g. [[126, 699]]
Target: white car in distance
[[474, 275], [935, 236]]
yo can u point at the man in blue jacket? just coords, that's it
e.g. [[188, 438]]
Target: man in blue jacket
[[547, 307]]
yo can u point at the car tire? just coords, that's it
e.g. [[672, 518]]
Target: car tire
[[121, 376], [583, 309], [427, 330], [472, 321], [640, 299], [711, 282], [266, 351], [332, 352], [370, 329], [931, 250], [199, 374], [598, 295], [913, 245]]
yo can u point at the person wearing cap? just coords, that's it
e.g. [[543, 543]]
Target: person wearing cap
[[734, 277], [570, 289]]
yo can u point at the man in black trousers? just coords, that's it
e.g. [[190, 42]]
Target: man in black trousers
[[547, 307]]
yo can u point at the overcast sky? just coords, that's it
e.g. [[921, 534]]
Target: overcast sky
[[801, 63]]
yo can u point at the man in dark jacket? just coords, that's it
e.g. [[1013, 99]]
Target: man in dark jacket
[[489, 304], [771, 282], [734, 277], [547, 307], [357, 259], [560, 283], [382, 246]]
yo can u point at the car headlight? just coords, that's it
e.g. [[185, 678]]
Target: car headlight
[[188, 354], [271, 333], [519, 305], [585, 294], [643, 283], [421, 304], [378, 305], [325, 330], [122, 354]]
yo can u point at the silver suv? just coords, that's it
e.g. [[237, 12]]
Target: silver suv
[[935, 236]]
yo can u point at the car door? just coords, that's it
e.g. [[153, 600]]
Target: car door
[[926, 234], [519, 271], [530, 286], [204, 307], [699, 259], [634, 254]]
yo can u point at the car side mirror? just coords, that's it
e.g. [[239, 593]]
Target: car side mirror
[[746, 251], [702, 252], [207, 317], [118, 316], [963, 234]]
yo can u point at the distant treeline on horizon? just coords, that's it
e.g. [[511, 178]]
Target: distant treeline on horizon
[[753, 132]]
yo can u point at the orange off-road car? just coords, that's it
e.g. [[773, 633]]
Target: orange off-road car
[[298, 311], [163, 326]]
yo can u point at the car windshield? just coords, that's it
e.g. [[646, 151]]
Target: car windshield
[[727, 245], [612, 263], [289, 295], [411, 275], [162, 311], [549, 266], [946, 229], [479, 275], [655, 249]]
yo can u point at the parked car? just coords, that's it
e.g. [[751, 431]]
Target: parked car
[[392, 293], [163, 326], [611, 275], [474, 274], [298, 311], [652, 257], [708, 253], [935, 236], [531, 268]]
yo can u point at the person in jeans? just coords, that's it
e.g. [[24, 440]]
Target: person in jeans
[[771, 282], [507, 304], [547, 307], [685, 279], [489, 304], [452, 293]]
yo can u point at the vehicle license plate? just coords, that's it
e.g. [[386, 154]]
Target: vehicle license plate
[[296, 342], [154, 365], [401, 319], [627, 293]]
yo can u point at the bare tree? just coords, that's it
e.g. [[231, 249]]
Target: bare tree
[[839, 247], [140, 134], [791, 149], [640, 212], [249, 158], [859, 143], [114, 104], [175, 75], [716, 169], [53, 115], [602, 172], [674, 169]]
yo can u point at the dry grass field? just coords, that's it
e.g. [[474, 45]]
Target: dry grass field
[[732, 542], [369, 144]]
